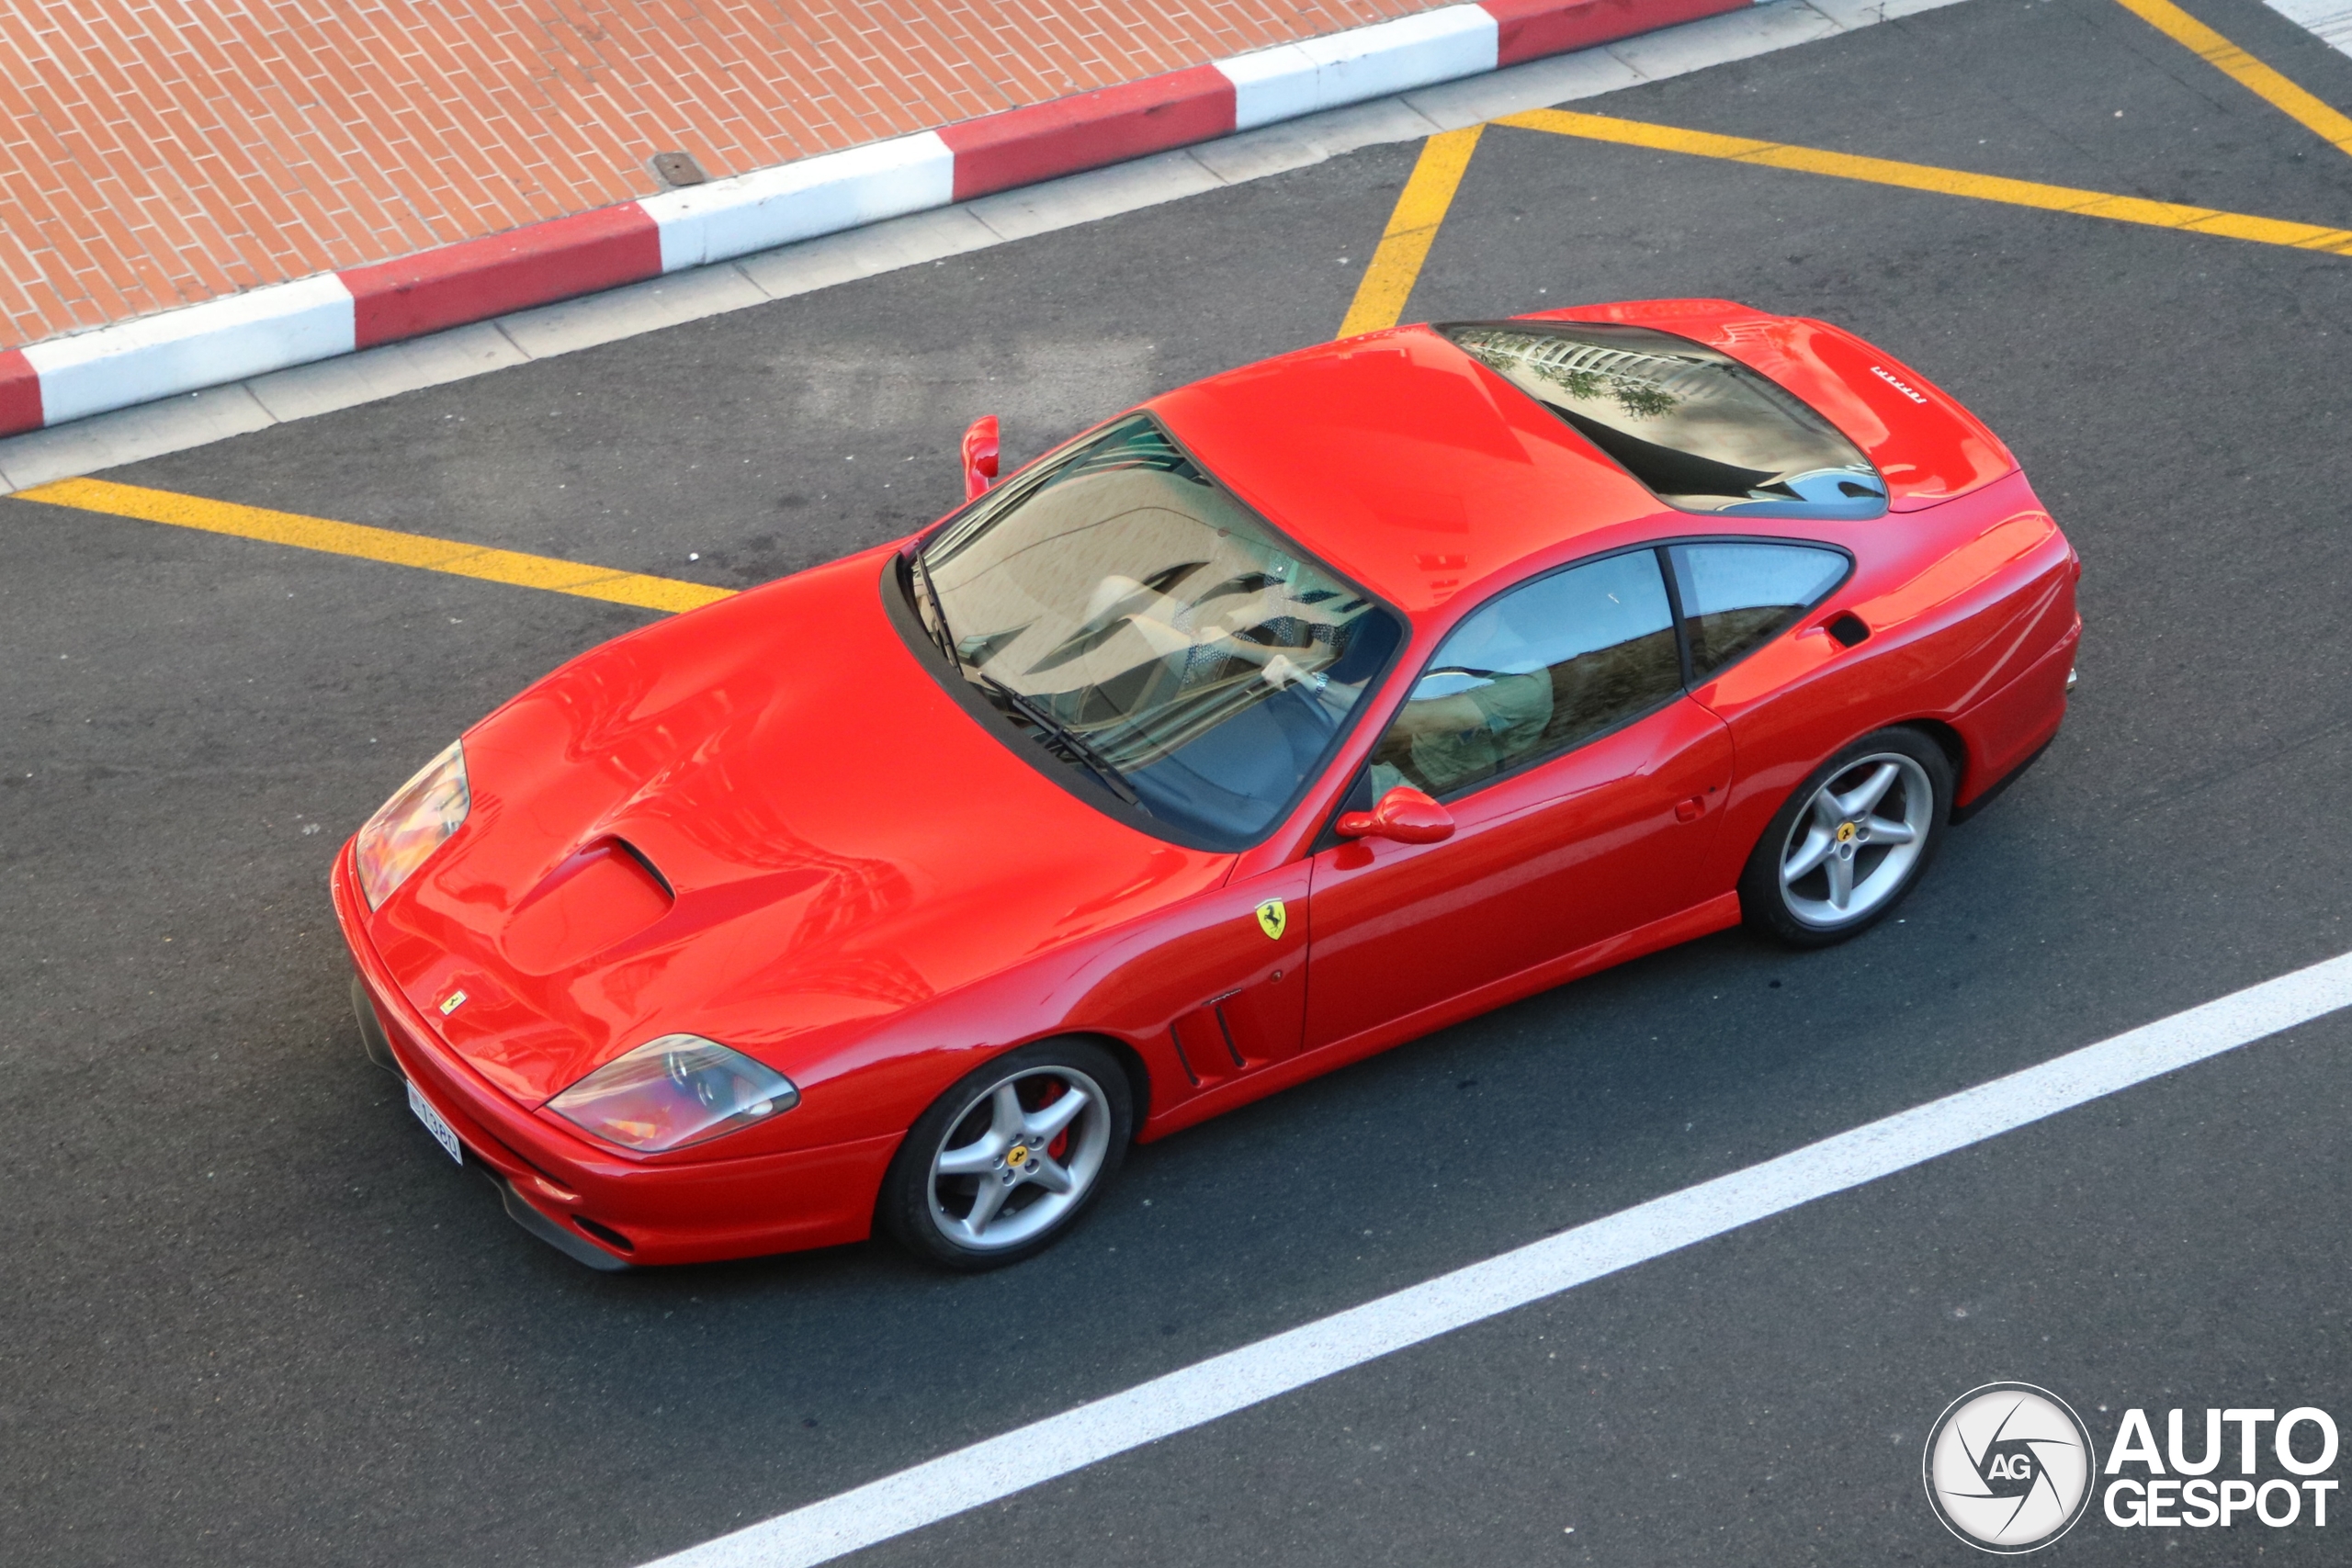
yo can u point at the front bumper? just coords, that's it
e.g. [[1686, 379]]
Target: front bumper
[[577, 1247], [595, 1206]]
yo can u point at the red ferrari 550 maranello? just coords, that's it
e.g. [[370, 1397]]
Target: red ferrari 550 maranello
[[1289, 716]]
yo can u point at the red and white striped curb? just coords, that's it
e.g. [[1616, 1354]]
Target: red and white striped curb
[[283, 324]]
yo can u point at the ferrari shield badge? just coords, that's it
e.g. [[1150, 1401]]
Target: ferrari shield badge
[[1272, 919]]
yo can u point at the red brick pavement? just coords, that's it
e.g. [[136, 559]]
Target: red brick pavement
[[158, 153]]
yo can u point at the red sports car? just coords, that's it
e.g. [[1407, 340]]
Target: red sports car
[[1291, 714]]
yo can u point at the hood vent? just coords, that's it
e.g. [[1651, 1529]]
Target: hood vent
[[603, 895]]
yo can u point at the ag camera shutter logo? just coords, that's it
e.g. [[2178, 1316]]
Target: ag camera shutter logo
[[2008, 1467]]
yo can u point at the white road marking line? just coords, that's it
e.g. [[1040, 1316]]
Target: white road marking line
[[2330, 19], [1199, 1394]]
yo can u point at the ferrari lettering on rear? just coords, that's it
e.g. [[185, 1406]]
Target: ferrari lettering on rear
[[1898, 384]]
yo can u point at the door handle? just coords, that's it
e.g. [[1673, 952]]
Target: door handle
[[1691, 809]]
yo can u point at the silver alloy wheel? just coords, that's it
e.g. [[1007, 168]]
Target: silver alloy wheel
[[1853, 847], [1017, 1158]]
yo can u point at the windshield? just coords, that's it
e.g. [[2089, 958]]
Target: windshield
[[1126, 610], [1702, 430]]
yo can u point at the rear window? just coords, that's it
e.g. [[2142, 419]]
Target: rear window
[[1700, 430]]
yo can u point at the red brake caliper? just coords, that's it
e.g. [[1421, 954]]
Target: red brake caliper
[[1061, 1146]]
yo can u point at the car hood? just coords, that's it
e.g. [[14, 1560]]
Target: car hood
[[764, 822]]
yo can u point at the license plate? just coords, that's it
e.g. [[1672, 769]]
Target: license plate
[[441, 1133]]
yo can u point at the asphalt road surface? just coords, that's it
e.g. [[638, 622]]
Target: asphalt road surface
[[249, 1315]]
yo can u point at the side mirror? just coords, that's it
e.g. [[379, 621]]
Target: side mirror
[[1404, 814], [979, 456]]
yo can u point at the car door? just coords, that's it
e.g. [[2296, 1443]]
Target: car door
[[1583, 783]]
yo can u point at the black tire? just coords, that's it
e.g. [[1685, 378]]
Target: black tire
[[923, 1210], [1803, 912]]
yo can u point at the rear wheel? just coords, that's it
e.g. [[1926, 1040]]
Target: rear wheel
[[1006, 1161], [1851, 841]]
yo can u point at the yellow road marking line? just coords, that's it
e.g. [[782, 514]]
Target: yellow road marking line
[[1405, 244], [1946, 181], [377, 544], [2244, 69]]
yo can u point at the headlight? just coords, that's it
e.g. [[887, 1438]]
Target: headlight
[[413, 824], [671, 1092]]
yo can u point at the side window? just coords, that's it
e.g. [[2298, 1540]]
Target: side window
[[1541, 669], [1738, 596]]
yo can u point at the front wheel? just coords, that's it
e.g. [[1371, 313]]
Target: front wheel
[[1006, 1160], [1851, 841]]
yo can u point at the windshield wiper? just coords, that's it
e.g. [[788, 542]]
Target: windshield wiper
[[939, 632], [1050, 727], [1057, 734]]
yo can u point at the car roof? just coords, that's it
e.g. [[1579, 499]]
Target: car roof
[[1399, 459], [1402, 462]]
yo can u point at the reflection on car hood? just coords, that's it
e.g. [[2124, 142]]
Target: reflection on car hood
[[764, 822]]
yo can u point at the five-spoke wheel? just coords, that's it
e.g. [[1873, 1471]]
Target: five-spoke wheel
[[1851, 841], [1006, 1159]]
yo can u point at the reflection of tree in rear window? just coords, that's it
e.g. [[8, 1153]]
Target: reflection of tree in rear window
[[1702, 430]]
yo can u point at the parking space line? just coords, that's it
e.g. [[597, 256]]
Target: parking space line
[[1207, 1391], [1944, 182], [419, 550], [2330, 21], [2243, 68], [1405, 244]]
